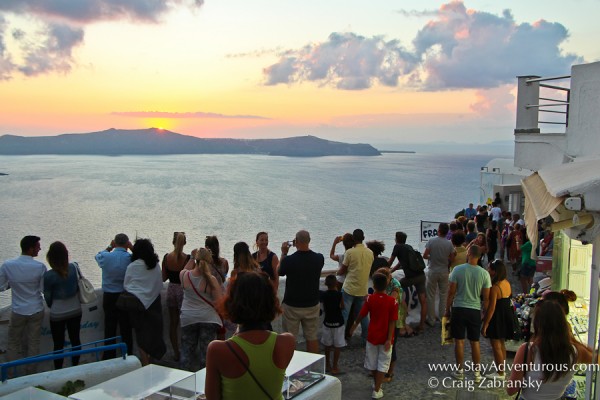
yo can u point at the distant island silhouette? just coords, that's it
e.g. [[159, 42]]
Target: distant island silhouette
[[160, 141]]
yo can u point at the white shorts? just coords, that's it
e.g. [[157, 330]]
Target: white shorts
[[376, 358], [333, 336]]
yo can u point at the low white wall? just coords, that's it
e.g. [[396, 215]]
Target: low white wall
[[92, 374]]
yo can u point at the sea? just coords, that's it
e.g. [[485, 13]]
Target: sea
[[83, 201]]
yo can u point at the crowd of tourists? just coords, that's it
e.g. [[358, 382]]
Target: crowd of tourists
[[207, 301]]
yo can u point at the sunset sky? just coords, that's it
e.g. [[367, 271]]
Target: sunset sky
[[378, 71]]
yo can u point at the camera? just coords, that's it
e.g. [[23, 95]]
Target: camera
[[292, 243]]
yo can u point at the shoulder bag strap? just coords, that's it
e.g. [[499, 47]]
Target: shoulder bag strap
[[198, 293], [247, 369], [203, 298], [79, 274]]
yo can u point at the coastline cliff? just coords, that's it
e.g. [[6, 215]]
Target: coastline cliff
[[157, 141]]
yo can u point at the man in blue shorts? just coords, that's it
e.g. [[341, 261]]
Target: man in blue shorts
[[469, 284]]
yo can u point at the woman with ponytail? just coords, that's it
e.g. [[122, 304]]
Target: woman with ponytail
[[199, 319], [172, 264]]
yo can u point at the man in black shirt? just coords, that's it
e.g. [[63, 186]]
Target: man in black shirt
[[301, 298], [411, 277]]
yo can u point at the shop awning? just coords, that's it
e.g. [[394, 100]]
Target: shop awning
[[546, 189]]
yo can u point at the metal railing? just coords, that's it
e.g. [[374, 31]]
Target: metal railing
[[64, 353], [551, 102]]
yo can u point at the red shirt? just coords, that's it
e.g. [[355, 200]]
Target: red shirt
[[381, 309]]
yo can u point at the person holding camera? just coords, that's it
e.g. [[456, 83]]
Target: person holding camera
[[301, 298]]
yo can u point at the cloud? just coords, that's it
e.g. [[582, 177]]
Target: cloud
[[177, 115], [54, 54], [62, 29], [471, 49], [497, 103], [349, 61], [95, 10], [6, 65], [458, 48]]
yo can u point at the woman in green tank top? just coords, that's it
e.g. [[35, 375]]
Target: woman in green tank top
[[251, 364]]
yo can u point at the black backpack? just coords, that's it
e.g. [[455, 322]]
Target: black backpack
[[416, 264]]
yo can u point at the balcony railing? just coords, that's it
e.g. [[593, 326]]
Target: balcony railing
[[538, 99], [562, 103]]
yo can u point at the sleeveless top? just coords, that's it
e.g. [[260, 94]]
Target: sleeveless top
[[501, 324], [260, 362], [193, 308], [267, 264], [548, 390], [173, 276]]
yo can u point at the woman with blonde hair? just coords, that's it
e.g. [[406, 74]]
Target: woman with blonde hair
[[60, 293], [199, 318], [172, 264]]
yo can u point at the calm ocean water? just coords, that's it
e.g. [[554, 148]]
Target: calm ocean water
[[84, 201]]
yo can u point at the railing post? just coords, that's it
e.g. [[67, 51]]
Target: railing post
[[527, 94]]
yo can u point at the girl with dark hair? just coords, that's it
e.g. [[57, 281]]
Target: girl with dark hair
[[60, 293], [498, 322], [172, 264], [552, 345], [251, 364], [219, 265], [268, 261], [143, 280], [199, 318], [377, 247]]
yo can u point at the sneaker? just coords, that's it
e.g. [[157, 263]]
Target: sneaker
[[460, 374], [377, 395], [477, 377]]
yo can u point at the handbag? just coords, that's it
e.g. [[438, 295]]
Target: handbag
[[87, 293], [446, 331], [221, 330]]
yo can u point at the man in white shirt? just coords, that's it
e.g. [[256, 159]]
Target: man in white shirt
[[25, 276]]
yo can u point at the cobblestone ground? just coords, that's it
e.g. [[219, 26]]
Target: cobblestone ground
[[413, 377]]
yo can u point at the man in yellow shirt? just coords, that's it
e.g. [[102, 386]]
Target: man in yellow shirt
[[356, 266]]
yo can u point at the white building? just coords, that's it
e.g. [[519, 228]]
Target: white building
[[565, 156]]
